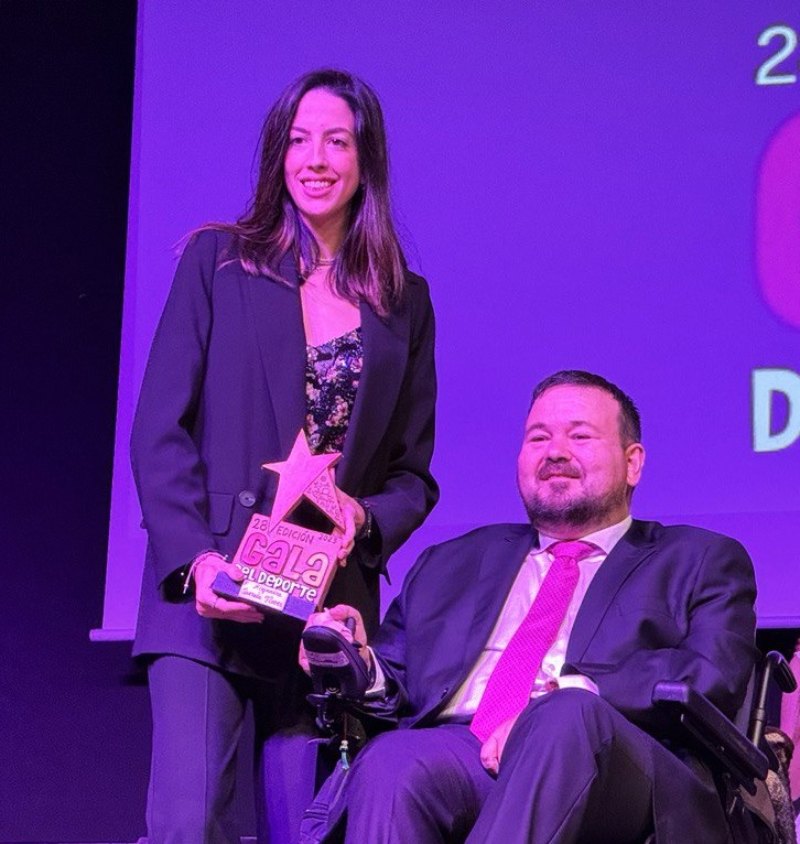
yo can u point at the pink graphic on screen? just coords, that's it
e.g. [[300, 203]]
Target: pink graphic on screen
[[778, 223]]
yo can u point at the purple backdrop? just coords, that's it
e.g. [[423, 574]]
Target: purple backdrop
[[606, 186]]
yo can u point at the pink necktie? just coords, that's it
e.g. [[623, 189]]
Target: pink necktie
[[509, 687]]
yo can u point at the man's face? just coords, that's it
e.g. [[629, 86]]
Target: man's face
[[573, 470]]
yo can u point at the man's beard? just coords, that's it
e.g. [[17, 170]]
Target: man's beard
[[576, 511]]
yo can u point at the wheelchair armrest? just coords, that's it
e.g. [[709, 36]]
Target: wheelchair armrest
[[714, 732]]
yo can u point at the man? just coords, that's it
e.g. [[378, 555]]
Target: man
[[569, 748]]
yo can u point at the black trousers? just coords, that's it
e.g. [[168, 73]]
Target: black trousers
[[198, 713], [573, 769]]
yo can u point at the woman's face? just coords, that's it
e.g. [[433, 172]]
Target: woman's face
[[321, 165]]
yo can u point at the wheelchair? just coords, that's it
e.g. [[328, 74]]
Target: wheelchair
[[744, 762], [748, 761]]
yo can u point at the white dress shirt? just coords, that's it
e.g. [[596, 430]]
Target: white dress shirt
[[523, 592]]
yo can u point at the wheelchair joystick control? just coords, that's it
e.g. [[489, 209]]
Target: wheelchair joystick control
[[339, 676]]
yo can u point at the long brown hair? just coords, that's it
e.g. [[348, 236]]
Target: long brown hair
[[370, 264]]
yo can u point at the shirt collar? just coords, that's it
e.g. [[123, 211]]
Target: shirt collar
[[605, 539]]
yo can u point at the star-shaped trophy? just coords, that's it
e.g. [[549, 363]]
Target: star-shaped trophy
[[288, 567]]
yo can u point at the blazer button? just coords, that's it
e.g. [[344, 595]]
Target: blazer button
[[444, 693], [247, 498]]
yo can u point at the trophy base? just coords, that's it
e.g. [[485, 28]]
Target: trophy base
[[263, 596]]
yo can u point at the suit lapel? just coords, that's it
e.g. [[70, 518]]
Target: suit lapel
[[626, 556], [278, 324], [499, 564], [386, 347], [499, 567]]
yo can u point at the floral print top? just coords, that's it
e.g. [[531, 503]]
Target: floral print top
[[333, 370]]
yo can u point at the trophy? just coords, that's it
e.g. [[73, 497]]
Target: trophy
[[288, 567]]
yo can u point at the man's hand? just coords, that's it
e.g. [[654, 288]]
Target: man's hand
[[211, 605], [492, 749], [335, 618], [354, 518]]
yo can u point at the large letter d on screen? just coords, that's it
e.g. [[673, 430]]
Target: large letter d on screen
[[767, 382]]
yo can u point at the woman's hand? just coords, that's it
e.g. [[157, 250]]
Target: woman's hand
[[211, 605], [354, 518]]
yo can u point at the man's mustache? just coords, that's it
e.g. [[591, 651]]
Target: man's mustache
[[563, 470]]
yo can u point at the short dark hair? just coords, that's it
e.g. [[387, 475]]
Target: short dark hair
[[630, 423]]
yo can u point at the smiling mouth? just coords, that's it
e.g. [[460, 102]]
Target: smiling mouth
[[317, 184], [547, 474]]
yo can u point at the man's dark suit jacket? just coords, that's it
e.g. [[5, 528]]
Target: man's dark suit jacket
[[668, 603], [224, 392]]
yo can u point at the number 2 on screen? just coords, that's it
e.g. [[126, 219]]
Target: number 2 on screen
[[764, 75]]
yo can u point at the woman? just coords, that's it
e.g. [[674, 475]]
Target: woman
[[300, 315]]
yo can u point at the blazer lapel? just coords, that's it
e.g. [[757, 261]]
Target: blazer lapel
[[386, 345], [278, 324], [627, 555], [499, 567]]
